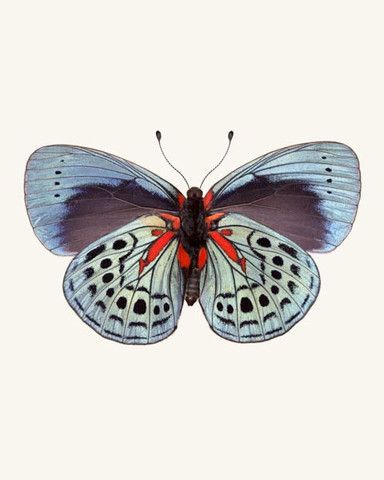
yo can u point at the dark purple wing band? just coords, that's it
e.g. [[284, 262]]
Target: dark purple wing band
[[308, 193]]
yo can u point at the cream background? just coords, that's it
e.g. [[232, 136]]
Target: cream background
[[107, 75]]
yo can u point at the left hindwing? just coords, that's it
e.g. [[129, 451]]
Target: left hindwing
[[263, 296], [128, 285]]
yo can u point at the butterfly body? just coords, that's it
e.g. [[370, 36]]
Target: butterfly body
[[142, 247]]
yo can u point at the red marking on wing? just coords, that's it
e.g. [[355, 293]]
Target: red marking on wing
[[156, 232], [175, 221], [227, 232], [183, 257], [202, 258], [208, 200], [156, 247], [212, 218], [228, 248], [180, 199]]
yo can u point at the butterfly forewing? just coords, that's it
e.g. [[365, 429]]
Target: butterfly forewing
[[106, 287], [308, 193], [75, 195], [264, 296]]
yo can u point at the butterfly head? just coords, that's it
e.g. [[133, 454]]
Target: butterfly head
[[194, 193]]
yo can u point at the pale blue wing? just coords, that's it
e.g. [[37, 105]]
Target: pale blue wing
[[276, 289], [75, 195], [105, 287], [307, 192]]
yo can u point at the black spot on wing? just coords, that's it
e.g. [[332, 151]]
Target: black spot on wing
[[226, 321], [88, 272], [285, 301], [245, 323], [94, 253], [226, 295], [268, 316], [119, 244], [157, 323], [121, 302], [92, 289], [137, 324], [263, 300], [295, 269], [292, 286], [140, 307], [116, 318], [101, 304], [246, 305], [289, 250]]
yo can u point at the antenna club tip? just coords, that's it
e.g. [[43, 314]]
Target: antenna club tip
[[158, 135], [230, 135]]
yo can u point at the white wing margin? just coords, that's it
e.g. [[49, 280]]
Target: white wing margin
[[276, 290]]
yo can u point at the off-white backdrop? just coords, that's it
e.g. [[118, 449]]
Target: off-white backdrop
[[107, 75]]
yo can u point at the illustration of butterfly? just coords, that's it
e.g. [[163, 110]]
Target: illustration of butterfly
[[142, 247]]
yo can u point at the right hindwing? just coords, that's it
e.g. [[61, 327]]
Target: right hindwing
[[262, 288], [110, 289]]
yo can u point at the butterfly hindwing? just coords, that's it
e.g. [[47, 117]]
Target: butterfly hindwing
[[75, 195], [308, 193], [109, 290], [266, 292]]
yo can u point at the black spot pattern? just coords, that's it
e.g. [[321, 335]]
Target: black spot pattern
[[156, 310], [101, 304], [284, 301], [264, 242], [328, 169], [140, 307], [329, 180], [57, 183], [263, 300], [277, 260], [246, 305], [121, 302], [295, 270], [58, 172], [289, 250], [166, 307], [106, 263], [110, 292], [292, 286], [94, 253], [107, 277], [88, 272], [92, 289], [276, 274], [219, 306], [57, 195], [229, 309], [119, 244], [275, 289]]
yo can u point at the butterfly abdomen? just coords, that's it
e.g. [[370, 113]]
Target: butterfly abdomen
[[192, 290]]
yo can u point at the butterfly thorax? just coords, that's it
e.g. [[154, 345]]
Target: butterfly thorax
[[193, 237], [193, 230]]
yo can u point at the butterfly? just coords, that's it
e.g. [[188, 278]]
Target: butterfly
[[141, 247]]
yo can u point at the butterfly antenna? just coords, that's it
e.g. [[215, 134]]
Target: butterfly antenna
[[230, 136], [158, 136]]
